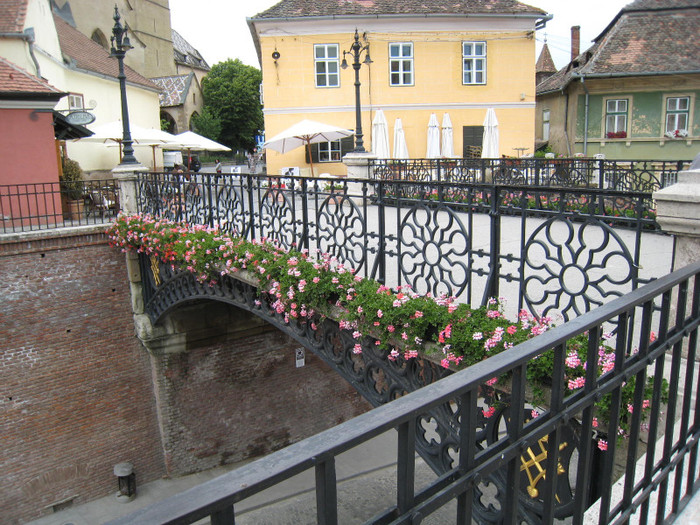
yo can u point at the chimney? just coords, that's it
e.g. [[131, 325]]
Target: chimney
[[575, 41]]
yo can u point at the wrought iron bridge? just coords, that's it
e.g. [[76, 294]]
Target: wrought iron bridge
[[573, 252]]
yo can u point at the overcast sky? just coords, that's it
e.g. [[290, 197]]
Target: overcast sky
[[218, 29]]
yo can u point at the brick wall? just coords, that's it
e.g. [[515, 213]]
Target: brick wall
[[256, 401], [77, 392]]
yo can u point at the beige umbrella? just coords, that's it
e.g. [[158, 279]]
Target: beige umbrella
[[305, 133], [111, 134], [192, 141]]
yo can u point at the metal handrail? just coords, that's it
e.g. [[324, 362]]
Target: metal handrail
[[51, 205]]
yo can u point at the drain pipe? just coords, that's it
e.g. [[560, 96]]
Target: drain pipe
[[585, 122], [28, 37]]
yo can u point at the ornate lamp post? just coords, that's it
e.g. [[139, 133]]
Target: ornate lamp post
[[120, 45], [356, 51]]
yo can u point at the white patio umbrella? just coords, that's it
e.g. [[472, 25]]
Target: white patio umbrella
[[448, 148], [400, 148], [305, 133], [380, 136], [192, 141], [433, 143], [489, 147], [111, 134]]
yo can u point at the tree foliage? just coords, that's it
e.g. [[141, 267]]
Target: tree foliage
[[207, 124], [232, 94]]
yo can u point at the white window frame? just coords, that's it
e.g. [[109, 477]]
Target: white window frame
[[403, 62], [329, 65], [473, 63], [616, 115], [675, 110], [546, 115], [76, 102], [328, 150]]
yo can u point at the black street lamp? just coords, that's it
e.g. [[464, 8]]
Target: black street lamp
[[120, 45], [356, 51]]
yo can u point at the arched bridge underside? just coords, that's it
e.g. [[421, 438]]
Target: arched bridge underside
[[379, 380]]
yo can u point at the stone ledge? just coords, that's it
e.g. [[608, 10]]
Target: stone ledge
[[52, 239]]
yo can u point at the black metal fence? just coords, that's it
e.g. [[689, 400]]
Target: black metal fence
[[623, 175], [49, 205], [514, 459], [554, 249]]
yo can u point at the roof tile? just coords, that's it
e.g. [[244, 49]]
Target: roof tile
[[12, 15], [311, 8], [173, 89], [186, 54], [91, 56], [14, 79], [545, 64], [646, 37]]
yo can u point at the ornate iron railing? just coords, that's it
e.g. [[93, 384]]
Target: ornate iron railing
[[554, 249], [50, 205], [623, 175], [527, 462]]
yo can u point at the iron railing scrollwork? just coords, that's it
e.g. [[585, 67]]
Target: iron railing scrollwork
[[523, 461], [473, 241], [379, 380], [623, 175]]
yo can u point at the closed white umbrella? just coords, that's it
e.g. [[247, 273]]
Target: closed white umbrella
[[400, 148], [489, 147], [448, 148], [380, 136], [433, 143], [305, 133]]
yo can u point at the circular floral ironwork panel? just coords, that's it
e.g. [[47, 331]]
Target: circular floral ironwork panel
[[342, 230], [573, 267], [433, 245]]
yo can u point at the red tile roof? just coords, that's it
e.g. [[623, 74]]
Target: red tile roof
[[311, 8], [12, 15], [90, 56], [648, 37], [545, 64], [15, 80]]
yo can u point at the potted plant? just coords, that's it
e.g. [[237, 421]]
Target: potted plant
[[72, 189]]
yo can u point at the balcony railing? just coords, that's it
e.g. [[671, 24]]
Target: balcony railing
[[622, 175], [527, 462], [50, 205], [472, 241]]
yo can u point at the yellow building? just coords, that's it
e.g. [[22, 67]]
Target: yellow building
[[459, 58]]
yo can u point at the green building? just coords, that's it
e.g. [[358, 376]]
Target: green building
[[635, 94]]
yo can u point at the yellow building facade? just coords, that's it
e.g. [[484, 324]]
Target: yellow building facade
[[460, 65]]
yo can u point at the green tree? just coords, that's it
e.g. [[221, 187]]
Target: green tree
[[232, 94], [207, 124]]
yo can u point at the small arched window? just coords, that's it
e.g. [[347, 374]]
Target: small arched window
[[99, 37], [193, 118]]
